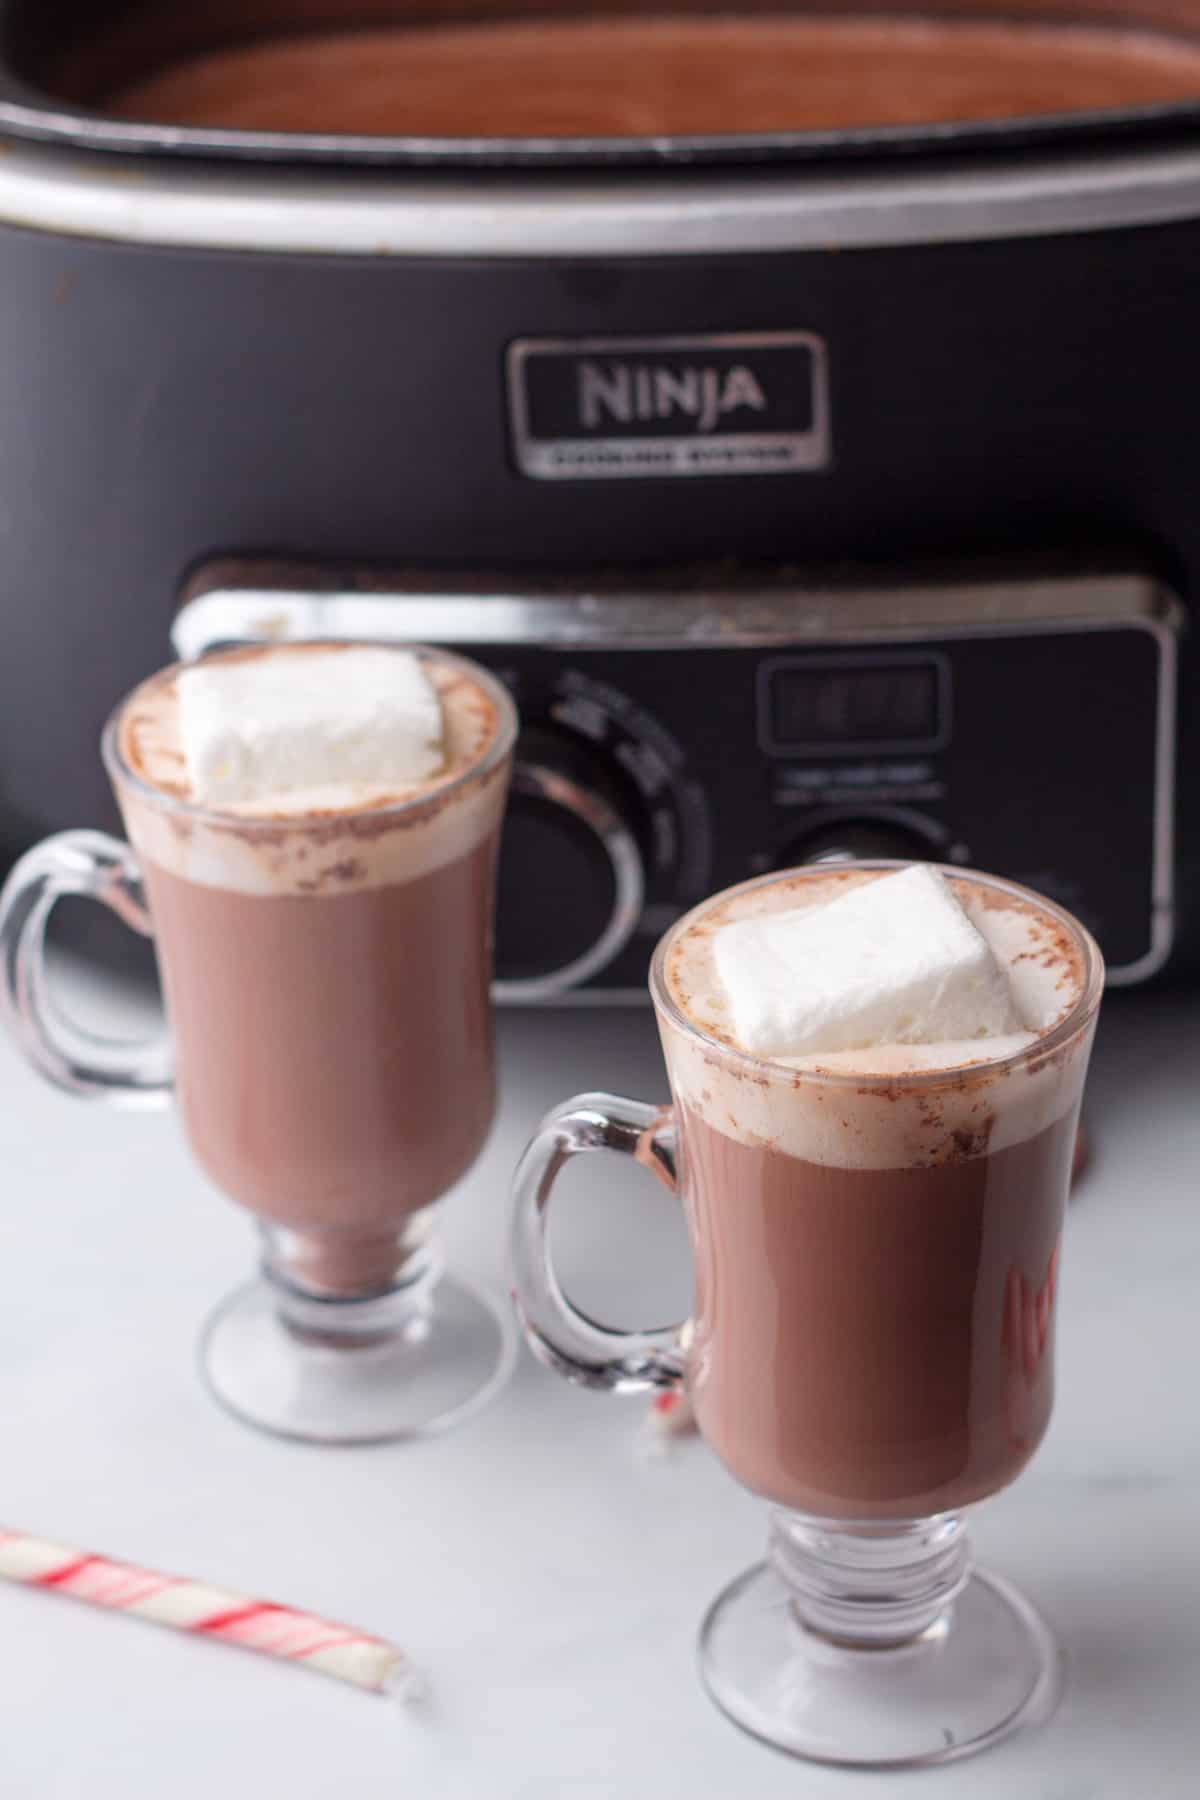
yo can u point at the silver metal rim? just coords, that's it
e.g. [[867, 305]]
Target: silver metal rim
[[272, 210]]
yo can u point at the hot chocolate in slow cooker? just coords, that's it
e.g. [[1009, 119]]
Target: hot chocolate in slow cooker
[[794, 406], [659, 75]]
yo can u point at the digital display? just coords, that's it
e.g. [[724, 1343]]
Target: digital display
[[824, 707]]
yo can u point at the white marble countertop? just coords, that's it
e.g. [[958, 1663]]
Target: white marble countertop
[[548, 1578]]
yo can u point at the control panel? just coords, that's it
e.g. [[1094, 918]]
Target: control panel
[[678, 738]]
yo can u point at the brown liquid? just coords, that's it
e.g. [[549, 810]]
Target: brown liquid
[[874, 1343], [662, 76], [335, 1060]]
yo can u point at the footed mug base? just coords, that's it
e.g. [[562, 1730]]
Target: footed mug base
[[402, 1365], [987, 1668]]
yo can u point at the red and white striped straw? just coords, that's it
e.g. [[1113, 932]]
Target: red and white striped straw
[[208, 1612]]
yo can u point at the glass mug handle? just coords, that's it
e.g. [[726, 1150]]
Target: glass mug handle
[[587, 1353], [98, 867]]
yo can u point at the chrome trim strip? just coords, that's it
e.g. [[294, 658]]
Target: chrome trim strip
[[576, 614], [497, 613], [1165, 629], [589, 997], [147, 200]]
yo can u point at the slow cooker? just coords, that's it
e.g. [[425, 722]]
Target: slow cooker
[[818, 492]]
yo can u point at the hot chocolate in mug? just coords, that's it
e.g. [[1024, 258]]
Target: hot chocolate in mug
[[875, 1244], [326, 960]]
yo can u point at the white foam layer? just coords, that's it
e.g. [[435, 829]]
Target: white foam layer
[[332, 838], [895, 961], [914, 1059], [887, 1106], [260, 733]]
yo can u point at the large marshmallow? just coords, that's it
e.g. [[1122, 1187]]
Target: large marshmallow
[[895, 961], [358, 718]]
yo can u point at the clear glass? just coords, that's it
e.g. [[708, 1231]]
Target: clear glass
[[871, 1352], [329, 1041]]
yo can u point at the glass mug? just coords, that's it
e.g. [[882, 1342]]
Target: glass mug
[[871, 1349], [326, 980]]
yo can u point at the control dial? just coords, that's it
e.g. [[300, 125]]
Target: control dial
[[853, 840], [572, 879]]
